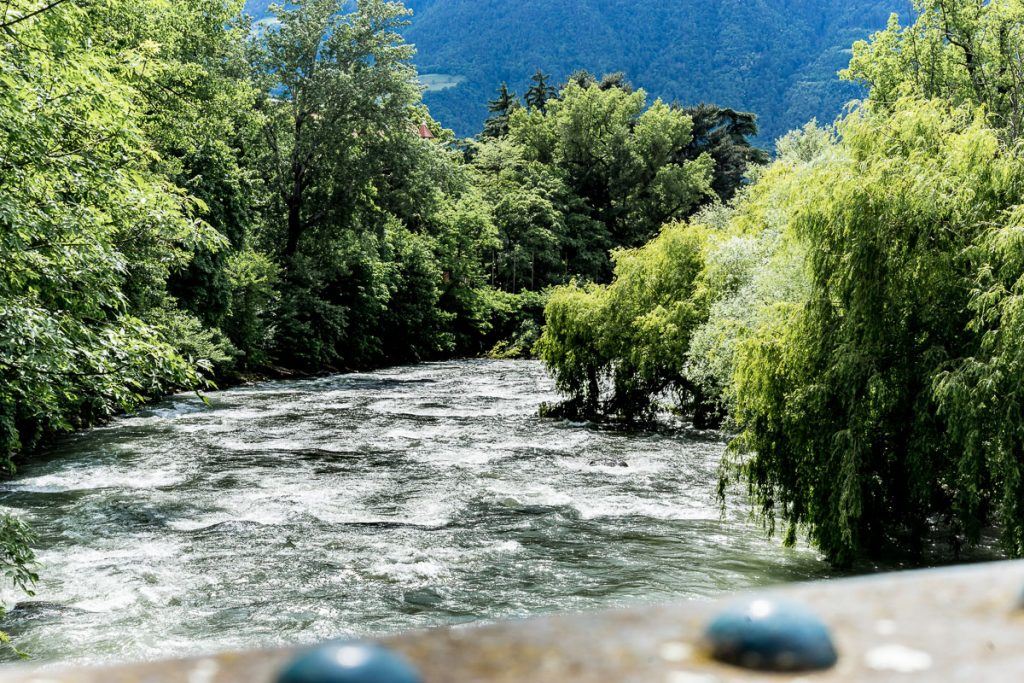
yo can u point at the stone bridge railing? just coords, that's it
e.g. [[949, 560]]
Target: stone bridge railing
[[959, 624]]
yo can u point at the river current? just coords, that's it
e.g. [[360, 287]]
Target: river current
[[365, 504]]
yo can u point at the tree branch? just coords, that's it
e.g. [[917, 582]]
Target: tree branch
[[7, 24]]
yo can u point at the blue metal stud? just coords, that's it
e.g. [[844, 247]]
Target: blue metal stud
[[349, 663], [770, 635]]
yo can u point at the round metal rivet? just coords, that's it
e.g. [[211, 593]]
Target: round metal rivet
[[771, 635], [349, 663]]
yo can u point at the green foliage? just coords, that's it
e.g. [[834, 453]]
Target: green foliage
[[595, 169], [957, 51], [206, 347], [980, 395], [619, 156], [466, 235], [501, 108], [892, 376], [756, 272], [724, 135], [856, 312], [615, 349], [843, 388], [18, 563], [17, 560], [413, 327], [185, 197], [363, 211], [514, 322], [252, 279], [540, 91], [91, 230]]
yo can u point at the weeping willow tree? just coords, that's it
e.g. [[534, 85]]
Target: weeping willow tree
[[888, 402], [838, 399], [614, 349]]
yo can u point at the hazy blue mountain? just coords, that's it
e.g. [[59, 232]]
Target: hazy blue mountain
[[778, 58]]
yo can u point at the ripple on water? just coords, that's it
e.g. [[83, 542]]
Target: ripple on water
[[362, 505]]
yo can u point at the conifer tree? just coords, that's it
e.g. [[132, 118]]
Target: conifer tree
[[501, 109], [540, 92], [616, 80], [582, 78], [724, 134]]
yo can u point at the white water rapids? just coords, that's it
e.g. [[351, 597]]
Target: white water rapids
[[367, 504]]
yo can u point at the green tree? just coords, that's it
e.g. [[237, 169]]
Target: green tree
[[960, 51], [196, 105], [847, 386], [622, 160], [343, 161], [540, 92], [465, 241], [582, 78], [501, 108], [893, 375], [725, 135], [526, 201], [90, 231], [335, 87], [756, 270], [530, 228], [615, 81], [614, 349]]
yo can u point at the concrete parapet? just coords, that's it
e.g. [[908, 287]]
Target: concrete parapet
[[957, 624]]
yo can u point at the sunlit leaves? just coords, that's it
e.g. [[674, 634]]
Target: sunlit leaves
[[856, 406], [615, 349], [961, 51], [89, 229]]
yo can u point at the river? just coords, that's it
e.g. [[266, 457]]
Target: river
[[365, 504]]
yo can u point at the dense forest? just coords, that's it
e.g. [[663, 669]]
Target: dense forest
[[190, 198], [778, 58]]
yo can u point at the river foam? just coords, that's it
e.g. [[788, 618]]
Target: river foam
[[366, 504]]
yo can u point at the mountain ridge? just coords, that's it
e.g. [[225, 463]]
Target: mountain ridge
[[777, 58]]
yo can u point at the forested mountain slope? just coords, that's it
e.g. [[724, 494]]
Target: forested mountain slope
[[778, 58]]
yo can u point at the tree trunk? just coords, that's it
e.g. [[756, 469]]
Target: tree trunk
[[593, 390], [294, 225], [294, 198]]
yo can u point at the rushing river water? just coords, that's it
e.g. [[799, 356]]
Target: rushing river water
[[367, 504]]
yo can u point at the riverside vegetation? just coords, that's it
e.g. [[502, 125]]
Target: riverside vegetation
[[188, 198], [856, 311]]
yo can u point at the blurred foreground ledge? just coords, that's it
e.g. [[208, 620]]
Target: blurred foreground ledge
[[956, 624]]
